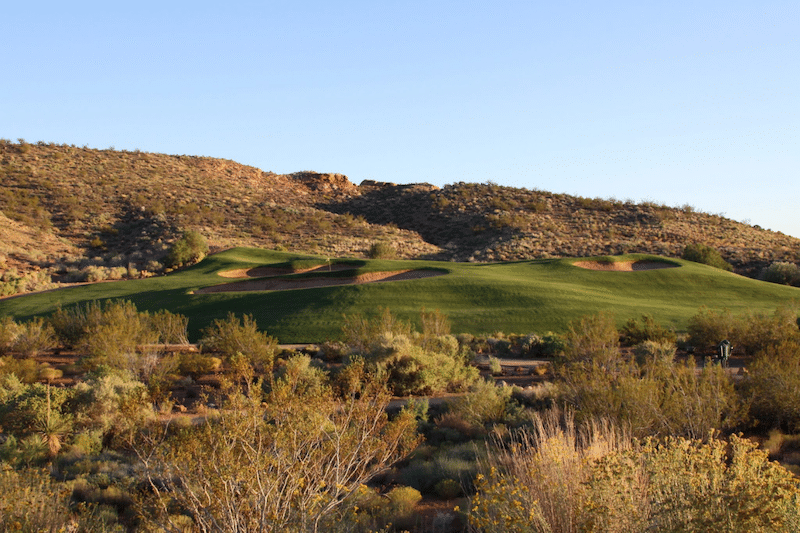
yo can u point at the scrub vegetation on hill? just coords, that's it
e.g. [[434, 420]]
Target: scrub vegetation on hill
[[70, 214]]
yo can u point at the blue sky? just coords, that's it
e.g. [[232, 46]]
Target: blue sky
[[676, 102]]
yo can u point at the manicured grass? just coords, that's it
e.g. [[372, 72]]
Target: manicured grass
[[519, 297]]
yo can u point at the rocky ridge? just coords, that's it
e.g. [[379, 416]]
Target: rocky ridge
[[76, 209]]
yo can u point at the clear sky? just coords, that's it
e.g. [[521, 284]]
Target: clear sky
[[679, 102]]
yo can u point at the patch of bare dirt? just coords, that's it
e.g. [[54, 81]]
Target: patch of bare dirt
[[285, 284], [623, 266]]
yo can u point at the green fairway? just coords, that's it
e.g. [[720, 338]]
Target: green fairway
[[519, 297]]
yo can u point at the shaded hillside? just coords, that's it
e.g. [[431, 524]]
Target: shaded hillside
[[489, 222], [84, 214]]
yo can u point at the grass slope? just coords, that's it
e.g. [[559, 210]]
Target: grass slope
[[516, 297]]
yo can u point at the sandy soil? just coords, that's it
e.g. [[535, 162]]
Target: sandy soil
[[623, 266], [309, 283], [261, 272]]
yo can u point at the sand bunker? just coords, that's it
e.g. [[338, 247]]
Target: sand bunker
[[311, 283], [624, 266], [262, 272]]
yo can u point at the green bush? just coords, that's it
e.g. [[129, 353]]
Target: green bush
[[72, 323], [636, 332], [772, 391], [197, 364], [708, 327], [662, 398], [363, 334], [781, 272], [382, 250], [413, 371], [593, 339], [190, 248], [170, 327], [700, 253], [402, 501], [486, 404], [448, 489], [113, 331], [653, 352], [26, 370], [9, 332], [36, 336], [232, 336], [775, 335]]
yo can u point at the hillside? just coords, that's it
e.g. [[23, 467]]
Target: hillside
[[78, 214]]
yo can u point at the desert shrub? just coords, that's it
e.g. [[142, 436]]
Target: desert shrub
[[593, 338], [700, 253], [411, 370], [111, 403], [402, 500], [38, 411], [781, 272], [636, 332], [35, 336], [287, 465], [444, 344], [9, 332], [382, 250], [434, 324], [484, 405], [559, 477], [777, 335], [26, 370], [494, 366], [448, 489], [112, 333], [71, 324], [305, 378], [455, 462], [232, 336], [550, 345], [190, 248], [170, 327], [362, 333], [534, 481], [532, 345], [31, 501], [690, 485], [663, 398], [708, 327], [654, 352], [196, 364], [771, 389]]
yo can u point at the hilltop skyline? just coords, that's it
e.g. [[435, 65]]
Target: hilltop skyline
[[679, 104]]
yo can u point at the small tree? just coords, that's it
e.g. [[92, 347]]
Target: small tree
[[781, 272], [700, 253], [232, 338], [594, 339], [287, 464], [189, 249]]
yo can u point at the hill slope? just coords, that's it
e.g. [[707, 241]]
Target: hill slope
[[81, 213]]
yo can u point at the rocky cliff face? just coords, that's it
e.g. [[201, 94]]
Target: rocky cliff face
[[321, 182]]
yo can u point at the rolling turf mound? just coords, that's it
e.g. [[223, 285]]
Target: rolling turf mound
[[513, 297]]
